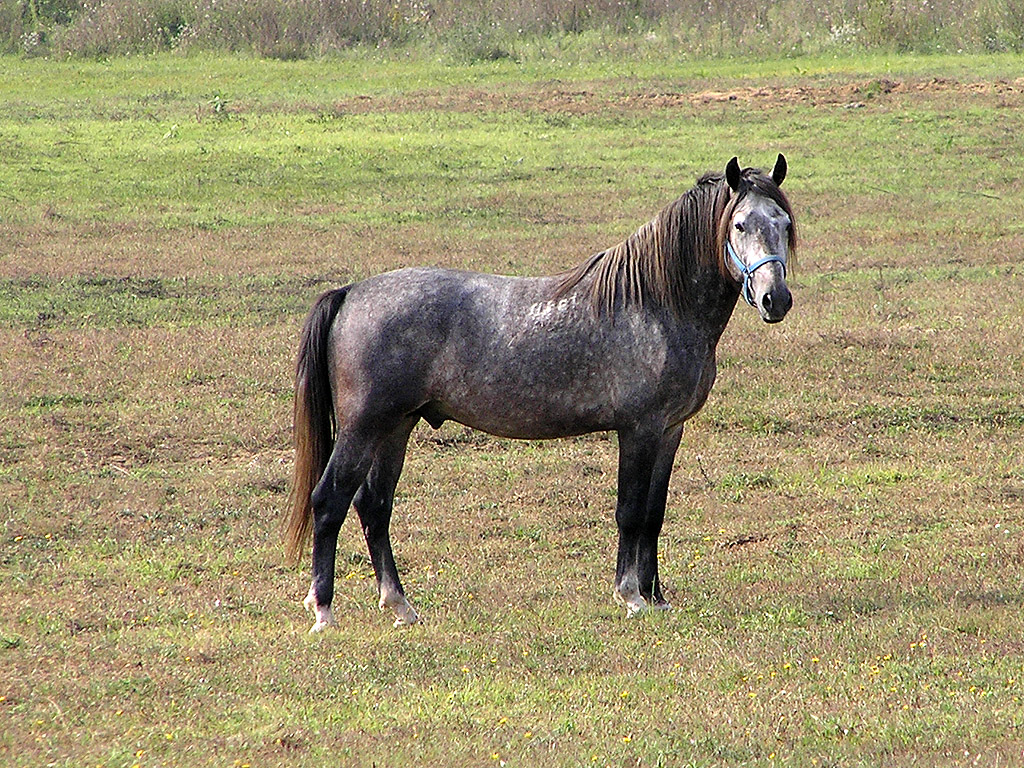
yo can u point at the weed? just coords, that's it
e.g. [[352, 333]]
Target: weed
[[219, 105]]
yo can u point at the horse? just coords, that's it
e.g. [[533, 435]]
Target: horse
[[623, 342]]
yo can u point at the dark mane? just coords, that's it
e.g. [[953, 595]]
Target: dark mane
[[660, 262]]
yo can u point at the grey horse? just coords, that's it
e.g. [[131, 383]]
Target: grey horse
[[625, 341]]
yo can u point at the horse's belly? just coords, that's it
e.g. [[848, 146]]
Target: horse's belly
[[523, 412]]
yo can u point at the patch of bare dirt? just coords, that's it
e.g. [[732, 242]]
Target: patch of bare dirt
[[850, 94]]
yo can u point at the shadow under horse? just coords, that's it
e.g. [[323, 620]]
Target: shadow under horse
[[625, 341]]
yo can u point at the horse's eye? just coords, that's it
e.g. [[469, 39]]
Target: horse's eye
[[739, 226]]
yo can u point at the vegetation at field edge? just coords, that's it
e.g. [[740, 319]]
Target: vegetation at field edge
[[490, 31]]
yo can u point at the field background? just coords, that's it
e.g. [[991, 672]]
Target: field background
[[843, 543]]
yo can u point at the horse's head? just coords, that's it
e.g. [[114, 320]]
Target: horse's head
[[759, 238]]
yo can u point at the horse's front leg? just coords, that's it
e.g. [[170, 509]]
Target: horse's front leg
[[645, 464], [657, 496]]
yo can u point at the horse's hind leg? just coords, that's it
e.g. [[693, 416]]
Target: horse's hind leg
[[374, 503], [349, 463]]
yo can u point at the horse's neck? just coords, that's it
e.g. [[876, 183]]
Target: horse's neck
[[712, 302], [707, 305]]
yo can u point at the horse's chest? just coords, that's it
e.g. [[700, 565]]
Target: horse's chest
[[695, 377]]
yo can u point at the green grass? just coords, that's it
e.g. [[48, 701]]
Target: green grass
[[842, 544]]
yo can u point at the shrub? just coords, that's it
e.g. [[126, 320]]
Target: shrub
[[128, 26], [490, 29]]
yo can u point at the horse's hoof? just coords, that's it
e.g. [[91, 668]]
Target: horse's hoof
[[320, 626], [324, 616], [632, 611], [631, 600], [405, 616]]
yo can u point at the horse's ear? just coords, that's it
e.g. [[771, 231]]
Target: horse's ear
[[732, 174], [779, 171]]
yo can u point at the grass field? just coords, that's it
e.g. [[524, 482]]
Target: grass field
[[844, 541]]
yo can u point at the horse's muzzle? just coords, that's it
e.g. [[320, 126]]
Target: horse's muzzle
[[775, 304]]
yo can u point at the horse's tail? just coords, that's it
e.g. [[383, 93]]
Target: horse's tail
[[315, 424]]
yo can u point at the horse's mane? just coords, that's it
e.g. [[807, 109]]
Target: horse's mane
[[660, 263]]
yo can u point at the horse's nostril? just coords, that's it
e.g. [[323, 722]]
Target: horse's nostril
[[766, 302]]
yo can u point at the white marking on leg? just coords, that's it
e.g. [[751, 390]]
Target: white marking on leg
[[324, 616], [399, 605], [324, 619], [627, 593]]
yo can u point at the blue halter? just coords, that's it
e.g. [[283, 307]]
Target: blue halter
[[747, 272]]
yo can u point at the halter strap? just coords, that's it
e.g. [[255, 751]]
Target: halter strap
[[747, 272]]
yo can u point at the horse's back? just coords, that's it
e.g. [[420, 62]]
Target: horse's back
[[485, 350]]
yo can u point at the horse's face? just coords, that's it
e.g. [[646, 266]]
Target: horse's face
[[758, 248]]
